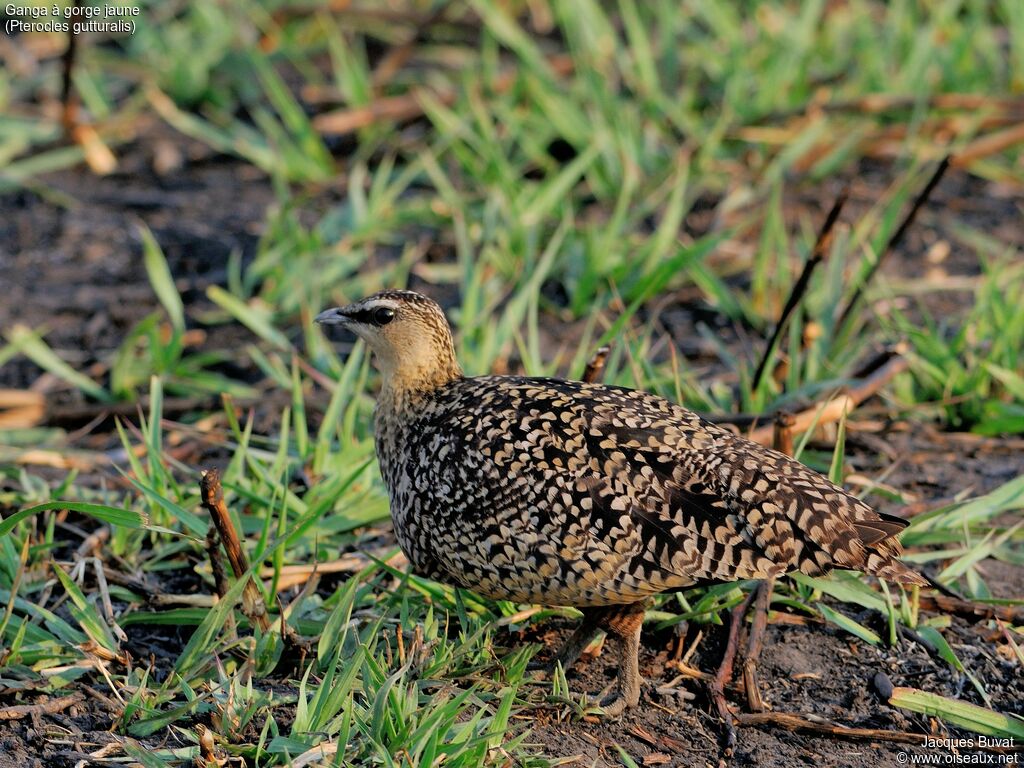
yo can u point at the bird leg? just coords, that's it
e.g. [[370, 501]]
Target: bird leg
[[624, 622], [571, 650], [724, 676], [754, 641]]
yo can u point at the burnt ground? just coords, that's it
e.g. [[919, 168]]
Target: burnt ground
[[76, 268], [812, 670]]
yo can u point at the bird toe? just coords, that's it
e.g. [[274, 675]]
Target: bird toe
[[613, 706]]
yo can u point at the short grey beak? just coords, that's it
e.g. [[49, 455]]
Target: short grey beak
[[331, 317]]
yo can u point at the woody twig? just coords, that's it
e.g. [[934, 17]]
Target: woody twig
[[821, 246], [213, 500], [834, 409], [595, 367], [894, 241]]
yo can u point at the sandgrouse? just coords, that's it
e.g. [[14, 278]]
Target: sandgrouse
[[556, 492]]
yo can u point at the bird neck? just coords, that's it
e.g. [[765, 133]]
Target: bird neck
[[408, 381]]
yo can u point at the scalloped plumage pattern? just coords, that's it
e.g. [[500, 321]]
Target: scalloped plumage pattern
[[566, 493]]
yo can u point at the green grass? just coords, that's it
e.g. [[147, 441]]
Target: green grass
[[971, 370], [548, 200]]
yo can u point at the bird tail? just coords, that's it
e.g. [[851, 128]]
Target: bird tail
[[879, 534], [887, 567]]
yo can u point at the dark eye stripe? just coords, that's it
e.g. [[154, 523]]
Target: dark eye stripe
[[367, 316], [362, 316]]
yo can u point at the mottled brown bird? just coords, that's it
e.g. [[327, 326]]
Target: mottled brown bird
[[557, 492]]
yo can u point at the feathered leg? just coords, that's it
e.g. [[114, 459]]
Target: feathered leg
[[571, 650], [624, 622]]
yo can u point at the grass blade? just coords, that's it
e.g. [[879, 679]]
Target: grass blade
[[961, 713], [160, 278], [30, 344], [127, 518]]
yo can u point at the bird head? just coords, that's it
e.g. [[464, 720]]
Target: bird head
[[408, 335]]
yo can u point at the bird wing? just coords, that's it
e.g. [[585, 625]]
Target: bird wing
[[692, 531], [564, 492], [752, 511]]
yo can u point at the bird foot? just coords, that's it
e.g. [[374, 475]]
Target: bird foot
[[540, 669], [613, 706], [614, 701]]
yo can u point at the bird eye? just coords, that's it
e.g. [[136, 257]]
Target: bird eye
[[383, 315]]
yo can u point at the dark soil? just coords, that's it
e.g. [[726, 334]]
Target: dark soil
[[814, 670], [78, 271]]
